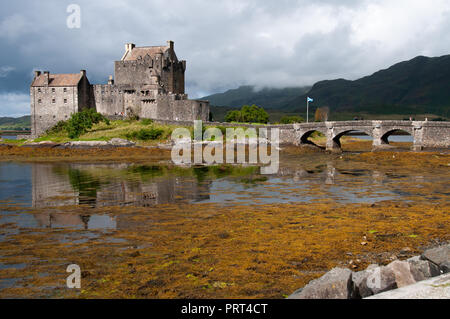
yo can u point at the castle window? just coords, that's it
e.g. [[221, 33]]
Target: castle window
[[65, 90], [53, 101], [53, 90], [65, 101], [39, 90], [39, 101]]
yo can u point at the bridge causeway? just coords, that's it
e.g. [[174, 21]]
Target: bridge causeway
[[426, 134]]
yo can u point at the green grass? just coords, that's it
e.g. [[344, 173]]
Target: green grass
[[142, 132]]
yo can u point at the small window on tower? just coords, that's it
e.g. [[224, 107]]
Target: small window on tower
[[53, 100], [39, 90], [53, 90], [65, 90], [39, 101], [65, 101]]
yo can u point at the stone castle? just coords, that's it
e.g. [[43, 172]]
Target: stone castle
[[148, 82]]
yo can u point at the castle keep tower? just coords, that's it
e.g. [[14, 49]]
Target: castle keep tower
[[148, 82]]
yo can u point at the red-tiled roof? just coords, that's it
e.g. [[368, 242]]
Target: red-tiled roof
[[58, 80]]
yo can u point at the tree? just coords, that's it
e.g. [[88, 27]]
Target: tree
[[322, 114], [233, 116], [248, 114]]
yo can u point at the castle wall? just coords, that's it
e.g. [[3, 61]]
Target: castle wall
[[137, 73], [172, 77], [171, 108], [114, 100], [108, 99]]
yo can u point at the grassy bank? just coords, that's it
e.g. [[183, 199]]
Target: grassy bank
[[143, 132]]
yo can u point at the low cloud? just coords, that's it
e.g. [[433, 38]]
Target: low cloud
[[281, 43]]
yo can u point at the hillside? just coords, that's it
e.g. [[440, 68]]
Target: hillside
[[418, 86], [268, 98], [12, 123]]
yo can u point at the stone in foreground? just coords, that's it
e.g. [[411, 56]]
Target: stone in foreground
[[434, 288], [372, 281], [423, 269], [402, 273], [438, 256], [335, 284]]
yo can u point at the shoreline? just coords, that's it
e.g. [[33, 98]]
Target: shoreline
[[378, 280], [123, 150]]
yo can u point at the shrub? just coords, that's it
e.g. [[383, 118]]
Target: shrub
[[61, 126], [291, 119], [81, 122], [146, 134]]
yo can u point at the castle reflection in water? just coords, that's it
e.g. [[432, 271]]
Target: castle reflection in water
[[97, 185]]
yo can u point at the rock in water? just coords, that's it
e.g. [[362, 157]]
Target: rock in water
[[335, 284]]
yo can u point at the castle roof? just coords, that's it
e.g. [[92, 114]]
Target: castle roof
[[58, 79], [136, 52]]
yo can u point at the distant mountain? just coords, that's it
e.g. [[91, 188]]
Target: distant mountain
[[418, 86], [268, 98], [13, 123], [421, 85]]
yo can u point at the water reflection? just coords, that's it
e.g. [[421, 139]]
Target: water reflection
[[111, 185], [103, 185], [51, 187]]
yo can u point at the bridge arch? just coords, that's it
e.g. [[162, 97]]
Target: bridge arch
[[304, 136], [336, 140], [388, 133]]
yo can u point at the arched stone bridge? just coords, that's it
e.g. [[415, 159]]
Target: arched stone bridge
[[425, 134]]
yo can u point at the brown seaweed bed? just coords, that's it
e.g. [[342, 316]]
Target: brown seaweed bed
[[248, 249]]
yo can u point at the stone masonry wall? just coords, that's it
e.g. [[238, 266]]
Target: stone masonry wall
[[436, 135], [108, 100], [49, 105]]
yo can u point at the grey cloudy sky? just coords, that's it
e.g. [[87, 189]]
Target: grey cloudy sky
[[276, 43]]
